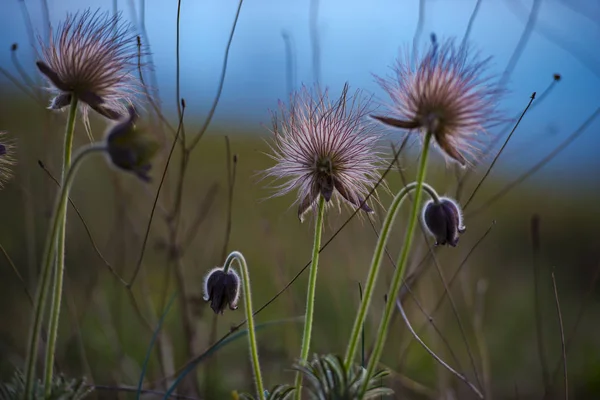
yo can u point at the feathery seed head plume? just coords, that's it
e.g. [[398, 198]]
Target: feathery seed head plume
[[7, 160], [325, 148], [444, 92], [92, 56]]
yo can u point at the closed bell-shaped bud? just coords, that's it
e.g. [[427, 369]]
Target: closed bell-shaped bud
[[129, 148], [443, 220], [222, 289]]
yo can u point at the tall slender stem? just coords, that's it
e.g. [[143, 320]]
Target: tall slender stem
[[51, 238], [235, 255], [310, 295], [401, 265], [376, 264], [60, 255]]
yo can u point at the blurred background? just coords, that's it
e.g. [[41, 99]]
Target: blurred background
[[501, 313]]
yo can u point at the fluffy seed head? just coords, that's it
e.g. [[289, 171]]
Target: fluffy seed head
[[92, 56], [325, 148], [444, 92], [7, 160]]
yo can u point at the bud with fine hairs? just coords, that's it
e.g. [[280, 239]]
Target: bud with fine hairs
[[222, 289], [443, 221], [129, 147]]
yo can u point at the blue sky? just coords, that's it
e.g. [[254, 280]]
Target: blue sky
[[359, 39]]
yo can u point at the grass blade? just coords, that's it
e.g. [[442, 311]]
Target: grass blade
[[151, 345]]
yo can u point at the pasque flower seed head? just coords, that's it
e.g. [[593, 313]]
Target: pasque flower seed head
[[446, 93], [325, 148], [92, 56]]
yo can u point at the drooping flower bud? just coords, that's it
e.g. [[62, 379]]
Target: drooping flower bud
[[129, 149], [221, 289], [444, 221]]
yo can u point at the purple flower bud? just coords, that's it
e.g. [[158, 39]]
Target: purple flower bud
[[444, 221], [221, 289], [129, 149]]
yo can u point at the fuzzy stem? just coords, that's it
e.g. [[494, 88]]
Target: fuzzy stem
[[376, 264], [235, 255], [60, 256], [310, 296], [401, 266], [51, 239]]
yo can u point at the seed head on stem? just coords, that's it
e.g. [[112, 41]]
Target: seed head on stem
[[92, 56], [324, 147], [447, 93]]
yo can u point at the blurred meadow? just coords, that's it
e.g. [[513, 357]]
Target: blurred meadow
[[534, 216]]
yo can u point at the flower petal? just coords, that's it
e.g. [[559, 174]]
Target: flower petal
[[357, 202], [52, 76]]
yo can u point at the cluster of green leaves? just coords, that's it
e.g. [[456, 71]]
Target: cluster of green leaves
[[326, 378], [62, 388]]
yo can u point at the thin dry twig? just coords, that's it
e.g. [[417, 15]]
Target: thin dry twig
[[17, 273], [435, 356], [162, 179], [85, 226], [451, 281], [418, 29], [514, 58], [535, 244], [314, 40], [557, 150], [582, 308], [539, 100], [487, 172], [470, 24], [221, 82], [562, 337]]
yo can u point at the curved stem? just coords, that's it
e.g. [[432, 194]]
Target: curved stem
[[51, 238], [376, 264], [432, 354], [401, 265], [60, 255], [235, 255], [310, 296]]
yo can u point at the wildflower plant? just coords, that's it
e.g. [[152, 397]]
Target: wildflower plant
[[446, 99], [88, 62], [52, 252], [222, 288], [329, 379], [324, 150]]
